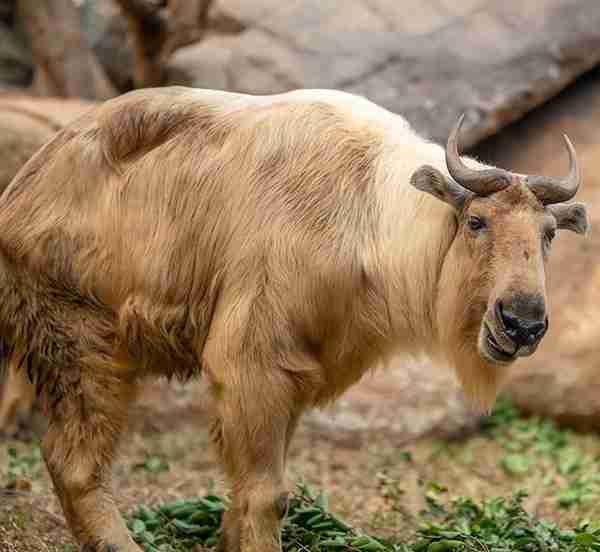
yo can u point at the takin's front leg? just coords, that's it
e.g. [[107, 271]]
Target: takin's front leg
[[257, 413], [79, 448], [16, 400]]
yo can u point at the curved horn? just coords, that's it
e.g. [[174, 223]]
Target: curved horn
[[483, 182], [556, 190]]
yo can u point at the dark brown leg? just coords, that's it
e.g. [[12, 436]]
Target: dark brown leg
[[79, 448]]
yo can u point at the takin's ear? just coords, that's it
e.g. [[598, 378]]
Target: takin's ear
[[571, 216], [431, 180]]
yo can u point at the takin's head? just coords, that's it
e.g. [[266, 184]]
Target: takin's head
[[492, 304]]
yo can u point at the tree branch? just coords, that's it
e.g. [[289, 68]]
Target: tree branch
[[158, 29]]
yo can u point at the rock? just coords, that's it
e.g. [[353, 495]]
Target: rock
[[107, 34], [406, 400], [430, 60], [562, 379], [203, 65], [15, 58], [7, 11]]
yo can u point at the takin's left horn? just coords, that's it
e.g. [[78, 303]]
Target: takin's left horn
[[483, 182], [556, 190]]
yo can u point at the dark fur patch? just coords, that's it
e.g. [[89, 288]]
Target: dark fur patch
[[52, 328], [159, 337], [135, 123]]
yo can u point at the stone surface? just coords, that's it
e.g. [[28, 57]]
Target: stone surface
[[7, 10], [405, 400], [107, 34], [428, 59], [563, 378], [205, 62], [15, 58]]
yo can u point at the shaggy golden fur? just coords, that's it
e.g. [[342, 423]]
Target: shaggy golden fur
[[272, 244], [26, 124]]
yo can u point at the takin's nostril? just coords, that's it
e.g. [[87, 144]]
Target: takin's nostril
[[510, 322], [530, 333], [538, 330], [521, 332]]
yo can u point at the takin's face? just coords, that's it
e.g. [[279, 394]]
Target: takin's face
[[505, 226], [505, 240]]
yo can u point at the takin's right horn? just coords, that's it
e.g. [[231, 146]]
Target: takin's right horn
[[556, 190]]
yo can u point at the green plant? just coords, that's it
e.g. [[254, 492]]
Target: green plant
[[499, 525], [23, 465], [153, 464], [537, 443], [495, 525]]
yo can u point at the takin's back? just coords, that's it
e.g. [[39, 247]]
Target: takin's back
[[161, 203]]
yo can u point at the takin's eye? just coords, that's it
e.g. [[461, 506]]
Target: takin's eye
[[476, 224]]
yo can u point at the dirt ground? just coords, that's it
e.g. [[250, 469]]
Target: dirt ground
[[373, 483], [373, 479]]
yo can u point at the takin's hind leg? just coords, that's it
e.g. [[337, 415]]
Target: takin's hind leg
[[256, 416], [16, 400], [79, 448]]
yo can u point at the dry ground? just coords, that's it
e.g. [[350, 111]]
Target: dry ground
[[374, 482]]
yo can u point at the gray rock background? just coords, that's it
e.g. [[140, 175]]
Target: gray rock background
[[429, 59]]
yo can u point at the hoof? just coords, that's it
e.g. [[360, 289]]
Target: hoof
[[19, 432], [281, 504]]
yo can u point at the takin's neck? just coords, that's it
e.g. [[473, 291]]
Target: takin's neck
[[416, 231]]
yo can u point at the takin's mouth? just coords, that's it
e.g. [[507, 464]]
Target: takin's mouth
[[493, 350]]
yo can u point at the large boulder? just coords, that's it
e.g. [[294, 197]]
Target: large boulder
[[15, 58], [7, 11], [407, 399], [107, 34], [430, 60], [106, 31]]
